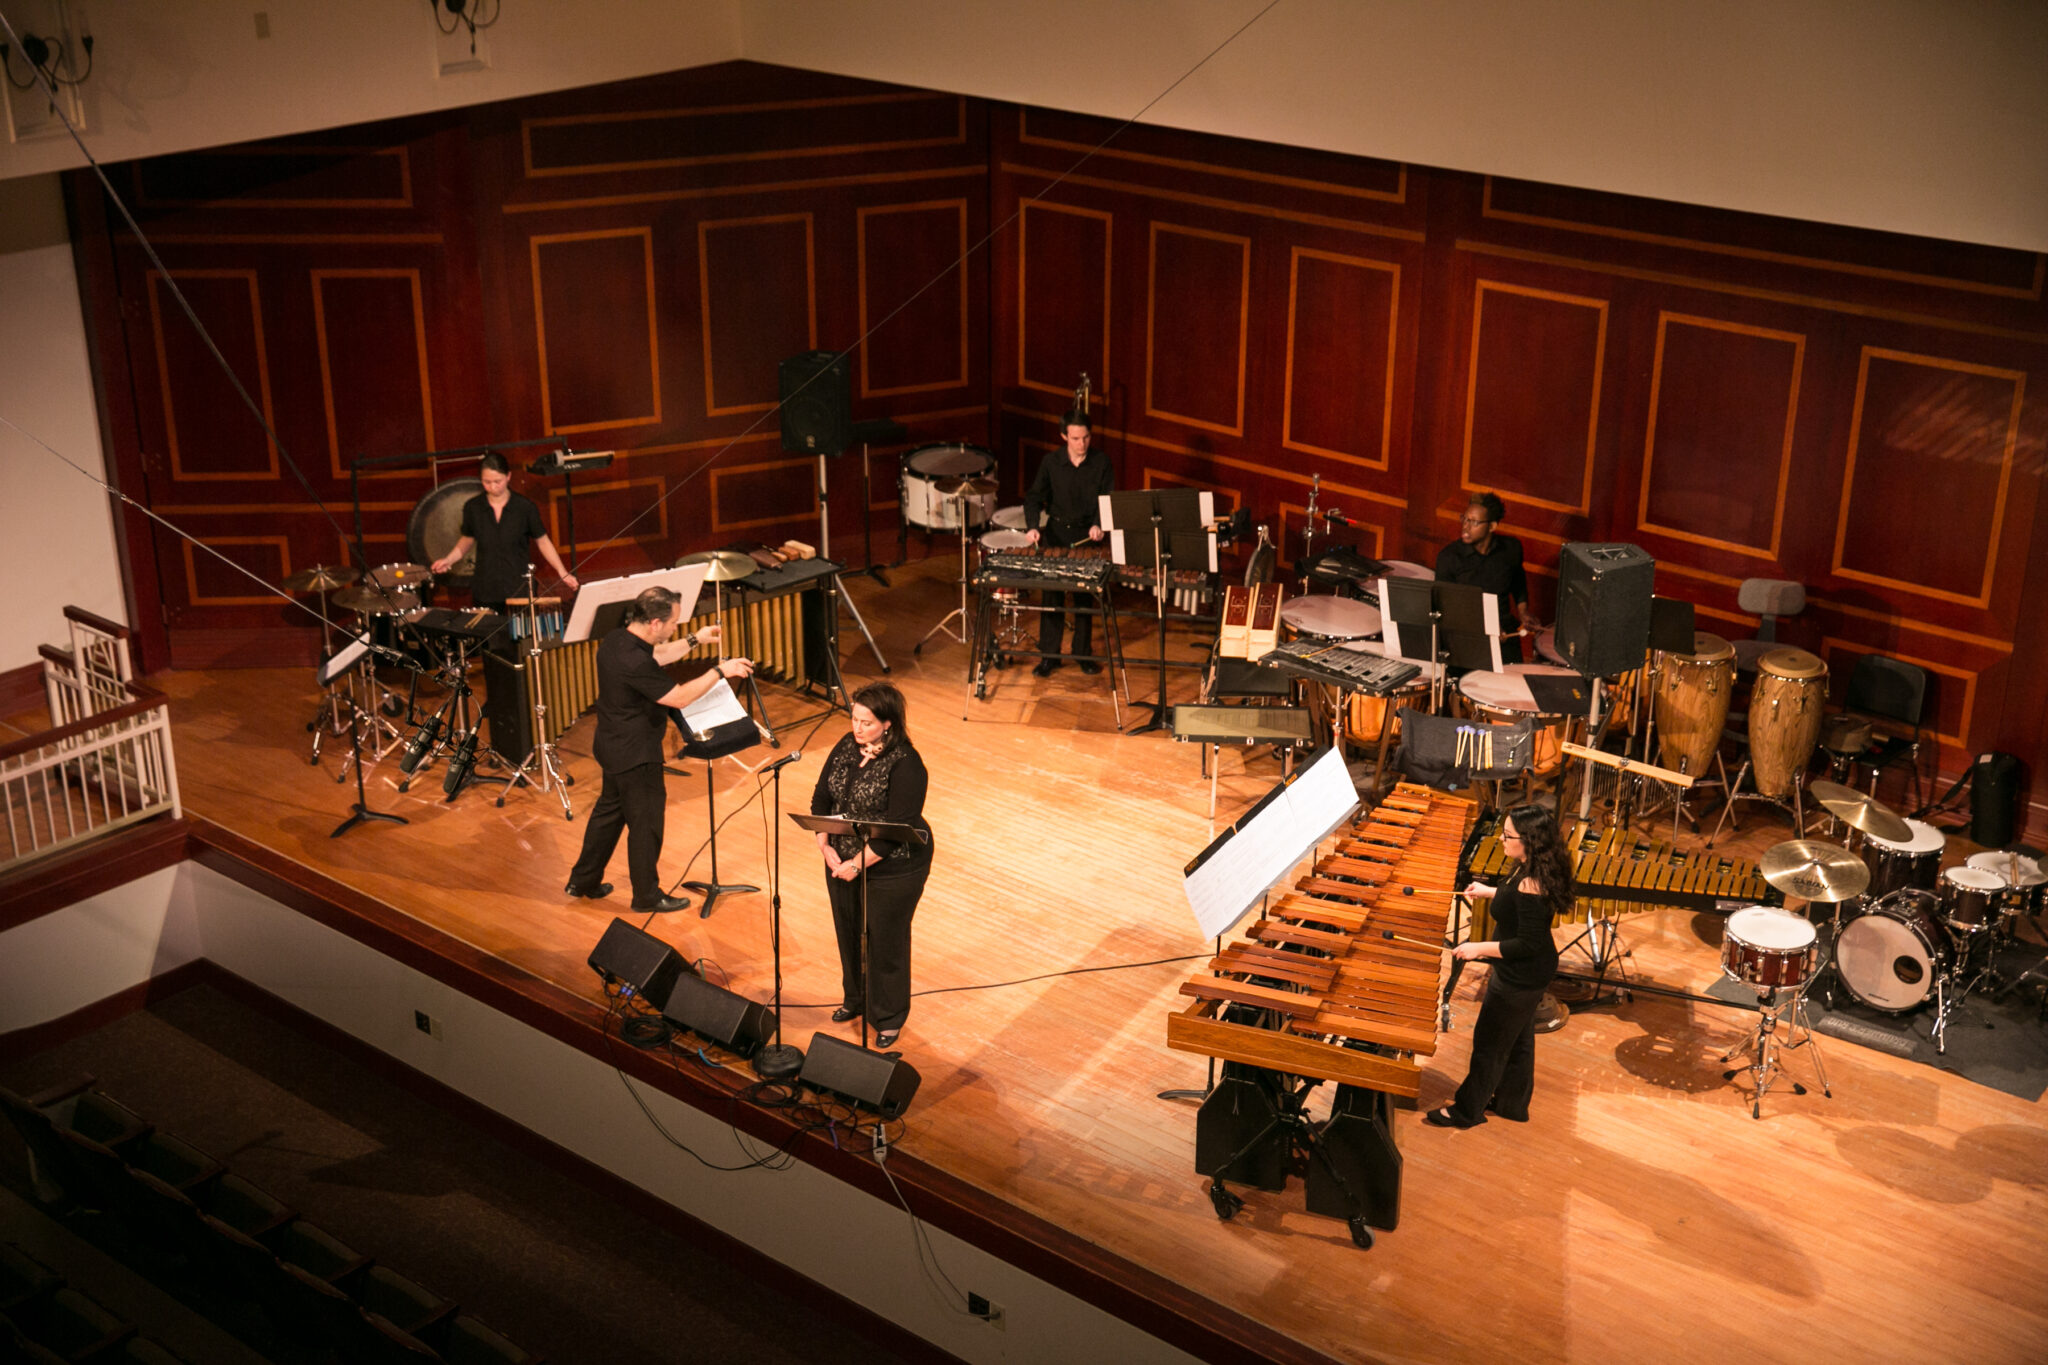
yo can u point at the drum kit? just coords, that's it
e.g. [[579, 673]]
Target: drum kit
[[385, 604]]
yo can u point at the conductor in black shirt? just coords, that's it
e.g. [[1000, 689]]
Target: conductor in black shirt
[[1489, 558], [634, 697], [1523, 958], [1068, 490], [499, 523]]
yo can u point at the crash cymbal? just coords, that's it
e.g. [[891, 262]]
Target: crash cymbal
[[1814, 871], [726, 565], [966, 488], [373, 601], [321, 578], [1858, 811]]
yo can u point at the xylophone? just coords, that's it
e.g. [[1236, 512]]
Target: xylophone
[[1340, 980], [1621, 873], [1354, 670], [1190, 587]]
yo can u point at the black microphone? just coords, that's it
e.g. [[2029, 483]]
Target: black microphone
[[782, 762], [421, 742], [459, 764]]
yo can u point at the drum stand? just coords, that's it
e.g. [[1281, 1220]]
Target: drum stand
[[1604, 947], [1763, 1042], [1795, 807], [945, 622], [328, 716], [1951, 990], [540, 770], [383, 736]]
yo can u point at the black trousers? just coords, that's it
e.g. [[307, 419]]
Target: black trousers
[[1503, 1054], [1052, 623], [892, 900], [632, 801]]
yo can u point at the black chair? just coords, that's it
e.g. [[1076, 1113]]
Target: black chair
[[248, 1209], [377, 1342], [411, 1308], [1770, 599], [24, 1280], [146, 1351], [74, 1327], [468, 1342], [1887, 689], [75, 1107]]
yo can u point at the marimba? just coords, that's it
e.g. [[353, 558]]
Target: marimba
[[1623, 873]]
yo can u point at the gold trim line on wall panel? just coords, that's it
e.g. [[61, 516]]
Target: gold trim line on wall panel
[[163, 371], [526, 127], [1244, 309], [1910, 624], [959, 268], [419, 329], [2012, 433], [1393, 337], [540, 329], [1210, 201], [1174, 479], [704, 229], [192, 597], [1398, 196], [660, 505], [1478, 248], [1108, 221], [751, 188], [1480, 286], [720, 526], [1487, 210], [1643, 523], [1968, 677]]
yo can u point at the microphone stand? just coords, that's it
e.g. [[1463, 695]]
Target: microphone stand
[[360, 813], [1160, 578], [778, 1061]]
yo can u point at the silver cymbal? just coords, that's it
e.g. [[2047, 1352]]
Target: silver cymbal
[[726, 565], [1815, 871], [1858, 811]]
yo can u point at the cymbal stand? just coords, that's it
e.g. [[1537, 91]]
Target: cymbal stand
[[945, 622], [1762, 1042], [540, 769], [328, 718], [1602, 943], [1980, 968], [825, 551], [383, 736]]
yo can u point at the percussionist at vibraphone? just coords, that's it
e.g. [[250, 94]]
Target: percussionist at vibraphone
[[1068, 489]]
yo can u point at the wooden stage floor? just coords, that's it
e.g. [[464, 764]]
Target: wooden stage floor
[[1642, 1214]]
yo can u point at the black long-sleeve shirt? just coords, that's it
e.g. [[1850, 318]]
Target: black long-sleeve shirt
[[1499, 571], [891, 788], [1521, 925], [1069, 496]]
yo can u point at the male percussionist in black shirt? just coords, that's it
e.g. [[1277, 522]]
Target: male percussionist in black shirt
[[1069, 485], [1490, 559], [633, 701]]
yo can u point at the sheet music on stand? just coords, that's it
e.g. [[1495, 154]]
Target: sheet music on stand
[[1241, 864], [599, 605]]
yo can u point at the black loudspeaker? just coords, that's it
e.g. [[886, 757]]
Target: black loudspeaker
[[638, 960], [1603, 606], [817, 403], [712, 1012], [508, 708], [870, 1080], [1994, 798]]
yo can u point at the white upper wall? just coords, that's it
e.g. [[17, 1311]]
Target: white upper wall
[[1917, 116]]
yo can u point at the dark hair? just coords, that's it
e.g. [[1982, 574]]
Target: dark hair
[[1075, 418], [494, 463], [1490, 503], [888, 705], [1544, 856], [653, 604]]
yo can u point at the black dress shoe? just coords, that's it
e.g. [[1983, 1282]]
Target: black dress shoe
[[844, 1013], [594, 893], [1445, 1118], [1090, 667], [1511, 1118], [1045, 668], [884, 1041], [662, 905]]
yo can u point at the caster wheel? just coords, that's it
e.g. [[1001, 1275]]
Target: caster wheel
[[568, 815], [1361, 1235], [1226, 1203]]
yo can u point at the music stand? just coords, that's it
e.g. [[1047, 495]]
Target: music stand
[[330, 672], [1447, 624], [866, 829], [1178, 520]]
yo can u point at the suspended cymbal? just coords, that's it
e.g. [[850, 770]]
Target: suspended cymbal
[[1858, 811], [966, 488], [373, 601], [726, 565], [321, 578], [1815, 871]]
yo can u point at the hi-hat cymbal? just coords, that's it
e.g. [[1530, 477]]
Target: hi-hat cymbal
[[726, 565], [321, 578], [1815, 871], [1858, 811], [966, 488], [374, 601]]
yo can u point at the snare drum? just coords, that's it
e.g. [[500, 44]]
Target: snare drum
[[1890, 953], [1692, 702], [2026, 881], [1972, 899], [1913, 861], [1331, 618], [1768, 949], [1505, 697], [917, 487], [1785, 717]]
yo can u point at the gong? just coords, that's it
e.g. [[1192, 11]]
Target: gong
[[437, 524]]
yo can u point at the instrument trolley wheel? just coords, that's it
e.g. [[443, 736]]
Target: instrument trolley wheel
[[1227, 1204], [1361, 1235]]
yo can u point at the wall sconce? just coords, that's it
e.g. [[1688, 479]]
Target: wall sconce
[[50, 57], [466, 12]]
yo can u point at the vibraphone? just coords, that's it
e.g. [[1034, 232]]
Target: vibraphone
[[1355, 670], [1054, 570], [1191, 588], [1622, 873], [1340, 981]]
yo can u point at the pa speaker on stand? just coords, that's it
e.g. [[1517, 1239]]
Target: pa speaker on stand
[[1603, 607], [817, 403]]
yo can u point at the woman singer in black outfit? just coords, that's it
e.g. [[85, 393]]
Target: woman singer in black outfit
[[1524, 956], [875, 774]]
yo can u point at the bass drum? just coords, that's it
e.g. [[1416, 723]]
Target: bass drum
[[437, 524], [924, 506], [1890, 954]]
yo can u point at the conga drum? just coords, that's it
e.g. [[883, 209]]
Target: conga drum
[[1692, 702], [1785, 717]]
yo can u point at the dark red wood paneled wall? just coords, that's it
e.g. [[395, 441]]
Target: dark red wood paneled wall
[[625, 265]]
